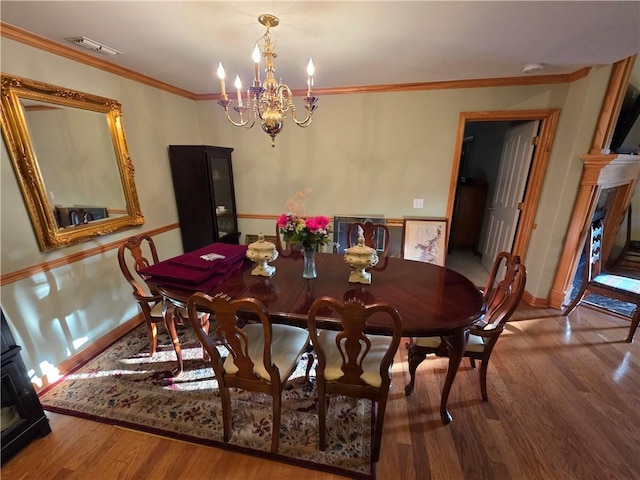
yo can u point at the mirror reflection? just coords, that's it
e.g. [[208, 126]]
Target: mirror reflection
[[70, 156], [77, 161]]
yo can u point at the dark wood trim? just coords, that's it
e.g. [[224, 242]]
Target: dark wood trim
[[91, 350], [599, 172], [444, 85], [548, 123], [616, 89], [616, 168], [28, 38], [75, 257]]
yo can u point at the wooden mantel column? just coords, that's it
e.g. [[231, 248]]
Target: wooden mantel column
[[599, 172]]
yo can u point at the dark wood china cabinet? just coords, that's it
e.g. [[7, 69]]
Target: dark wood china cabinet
[[22, 416], [205, 197]]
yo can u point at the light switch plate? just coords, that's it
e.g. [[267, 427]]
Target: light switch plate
[[418, 203]]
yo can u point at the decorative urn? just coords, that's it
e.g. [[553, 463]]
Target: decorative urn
[[360, 257], [262, 252]]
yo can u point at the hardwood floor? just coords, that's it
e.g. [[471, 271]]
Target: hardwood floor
[[564, 403]]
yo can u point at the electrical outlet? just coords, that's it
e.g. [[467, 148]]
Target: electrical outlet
[[418, 203]]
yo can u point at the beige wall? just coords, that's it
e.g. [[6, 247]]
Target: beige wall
[[53, 314], [362, 154], [374, 153]]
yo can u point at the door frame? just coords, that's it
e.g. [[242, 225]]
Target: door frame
[[548, 123]]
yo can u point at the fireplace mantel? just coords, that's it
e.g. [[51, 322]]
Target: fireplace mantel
[[599, 172]]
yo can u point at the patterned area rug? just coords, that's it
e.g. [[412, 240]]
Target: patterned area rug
[[123, 386]]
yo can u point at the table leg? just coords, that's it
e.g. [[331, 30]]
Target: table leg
[[456, 344], [169, 313]]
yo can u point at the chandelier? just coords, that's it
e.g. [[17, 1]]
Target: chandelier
[[269, 101]]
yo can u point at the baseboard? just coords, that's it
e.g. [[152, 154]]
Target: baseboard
[[91, 350], [534, 301]]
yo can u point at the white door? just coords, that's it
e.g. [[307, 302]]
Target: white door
[[517, 153]]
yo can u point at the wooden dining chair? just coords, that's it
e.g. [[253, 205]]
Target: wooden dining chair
[[352, 362], [375, 235], [501, 300], [619, 285], [135, 254], [285, 247], [261, 356]]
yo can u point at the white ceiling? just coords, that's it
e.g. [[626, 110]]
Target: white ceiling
[[352, 43]]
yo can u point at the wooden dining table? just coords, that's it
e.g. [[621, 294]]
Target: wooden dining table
[[431, 300]]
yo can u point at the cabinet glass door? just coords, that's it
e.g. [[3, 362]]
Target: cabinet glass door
[[223, 196]]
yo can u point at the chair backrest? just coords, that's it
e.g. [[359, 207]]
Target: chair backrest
[[135, 254], [228, 331], [352, 343], [78, 216], [375, 235], [284, 247], [503, 296]]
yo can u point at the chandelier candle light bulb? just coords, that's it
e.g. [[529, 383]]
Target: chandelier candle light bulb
[[256, 65], [221, 75], [310, 70], [238, 85]]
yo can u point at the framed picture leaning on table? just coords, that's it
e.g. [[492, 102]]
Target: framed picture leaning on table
[[425, 240]]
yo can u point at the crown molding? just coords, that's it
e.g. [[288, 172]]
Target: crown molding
[[28, 38]]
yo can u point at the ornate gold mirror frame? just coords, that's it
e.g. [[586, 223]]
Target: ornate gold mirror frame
[[67, 168]]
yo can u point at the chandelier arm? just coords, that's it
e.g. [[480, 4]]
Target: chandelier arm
[[300, 123], [248, 125], [224, 103], [238, 124], [310, 105]]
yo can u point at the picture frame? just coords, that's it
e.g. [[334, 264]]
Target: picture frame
[[424, 240], [395, 238]]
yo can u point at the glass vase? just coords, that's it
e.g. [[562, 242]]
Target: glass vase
[[309, 255]]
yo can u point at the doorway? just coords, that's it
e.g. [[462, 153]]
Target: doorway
[[480, 223]]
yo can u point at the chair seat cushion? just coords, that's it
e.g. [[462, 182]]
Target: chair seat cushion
[[371, 364], [287, 346], [617, 282], [474, 344], [156, 310]]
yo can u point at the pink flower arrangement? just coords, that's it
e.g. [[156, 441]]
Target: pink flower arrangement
[[307, 232]]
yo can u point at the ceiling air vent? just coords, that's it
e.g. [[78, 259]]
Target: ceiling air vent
[[93, 45]]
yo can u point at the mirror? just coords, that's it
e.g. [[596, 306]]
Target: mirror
[[70, 156]]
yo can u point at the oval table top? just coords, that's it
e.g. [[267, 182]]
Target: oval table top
[[431, 300]]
